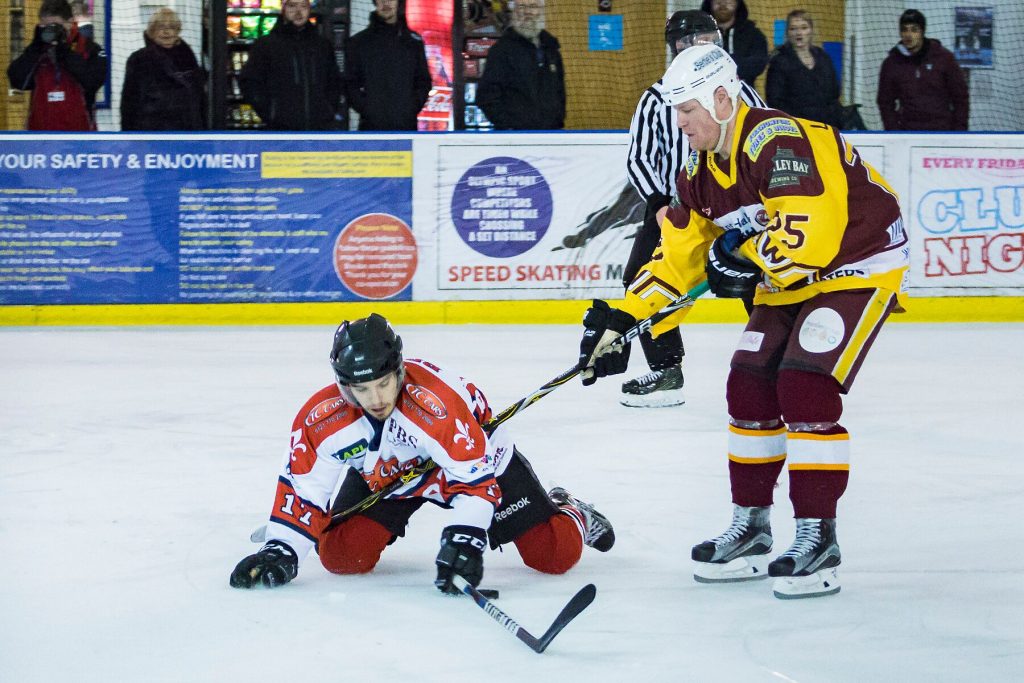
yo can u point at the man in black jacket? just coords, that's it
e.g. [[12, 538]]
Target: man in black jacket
[[386, 75], [523, 86], [740, 37], [291, 78]]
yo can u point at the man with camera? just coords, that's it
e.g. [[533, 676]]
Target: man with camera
[[63, 68]]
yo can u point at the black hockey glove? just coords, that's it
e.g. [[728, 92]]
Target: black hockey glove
[[731, 276], [274, 565], [602, 326], [462, 553]]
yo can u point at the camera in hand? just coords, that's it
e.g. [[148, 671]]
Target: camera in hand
[[51, 34]]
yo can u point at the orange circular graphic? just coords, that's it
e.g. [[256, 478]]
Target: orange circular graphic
[[375, 256]]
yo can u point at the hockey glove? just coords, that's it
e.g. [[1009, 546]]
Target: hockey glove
[[274, 565], [462, 553], [602, 326], [731, 276]]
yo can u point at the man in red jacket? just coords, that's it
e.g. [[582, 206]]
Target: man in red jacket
[[921, 86]]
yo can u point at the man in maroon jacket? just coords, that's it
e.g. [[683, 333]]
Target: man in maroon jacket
[[921, 86]]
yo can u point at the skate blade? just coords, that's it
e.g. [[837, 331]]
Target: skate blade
[[657, 399], [748, 568], [816, 585]]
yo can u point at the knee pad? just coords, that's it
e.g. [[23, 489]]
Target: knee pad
[[552, 547], [353, 547], [809, 398], [751, 396]]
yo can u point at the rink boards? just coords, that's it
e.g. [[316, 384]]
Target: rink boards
[[432, 228]]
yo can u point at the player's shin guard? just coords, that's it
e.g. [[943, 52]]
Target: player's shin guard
[[757, 438]]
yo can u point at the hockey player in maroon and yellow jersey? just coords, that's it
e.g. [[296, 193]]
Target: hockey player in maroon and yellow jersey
[[382, 417], [787, 209]]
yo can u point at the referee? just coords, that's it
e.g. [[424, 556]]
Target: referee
[[657, 152]]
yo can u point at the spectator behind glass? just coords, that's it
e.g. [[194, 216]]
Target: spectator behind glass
[[801, 77], [291, 78], [386, 75], [63, 68], [81, 16], [164, 86], [523, 85], [740, 37], [920, 86]]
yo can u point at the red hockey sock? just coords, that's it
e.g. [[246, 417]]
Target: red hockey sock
[[552, 547], [354, 546]]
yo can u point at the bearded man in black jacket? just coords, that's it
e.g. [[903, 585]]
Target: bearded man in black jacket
[[523, 86], [386, 75], [291, 78]]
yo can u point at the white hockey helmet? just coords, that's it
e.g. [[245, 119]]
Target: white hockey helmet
[[696, 73]]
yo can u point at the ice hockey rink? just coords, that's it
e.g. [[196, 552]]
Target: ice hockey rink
[[136, 462]]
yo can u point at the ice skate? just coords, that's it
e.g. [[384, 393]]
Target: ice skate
[[809, 569], [741, 553], [656, 389], [599, 534]]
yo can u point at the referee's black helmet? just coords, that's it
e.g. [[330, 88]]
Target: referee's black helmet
[[687, 23]]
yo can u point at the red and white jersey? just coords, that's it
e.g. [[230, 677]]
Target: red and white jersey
[[438, 416]]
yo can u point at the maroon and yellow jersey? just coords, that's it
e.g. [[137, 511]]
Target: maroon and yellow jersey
[[818, 217], [438, 416]]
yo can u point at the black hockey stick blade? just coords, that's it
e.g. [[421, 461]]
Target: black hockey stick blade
[[572, 609]]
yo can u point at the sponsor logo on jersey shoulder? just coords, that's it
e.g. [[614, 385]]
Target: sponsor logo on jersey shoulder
[[428, 400], [323, 409], [788, 168], [352, 451], [765, 132]]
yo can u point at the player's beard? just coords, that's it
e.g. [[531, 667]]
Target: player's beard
[[530, 28]]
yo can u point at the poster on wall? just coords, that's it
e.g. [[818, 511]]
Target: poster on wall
[[238, 220], [966, 215], [533, 221], [973, 46]]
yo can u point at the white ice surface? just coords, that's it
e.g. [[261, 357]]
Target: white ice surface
[[134, 464]]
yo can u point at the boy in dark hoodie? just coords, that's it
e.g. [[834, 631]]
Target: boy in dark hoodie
[[291, 78], [740, 37], [921, 86]]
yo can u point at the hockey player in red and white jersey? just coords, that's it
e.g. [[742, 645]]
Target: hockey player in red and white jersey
[[787, 210], [381, 418]]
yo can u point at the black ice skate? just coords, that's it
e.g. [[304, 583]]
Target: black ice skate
[[809, 569], [656, 389], [599, 534], [741, 553]]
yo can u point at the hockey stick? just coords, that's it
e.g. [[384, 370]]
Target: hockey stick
[[684, 301], [572, 609]]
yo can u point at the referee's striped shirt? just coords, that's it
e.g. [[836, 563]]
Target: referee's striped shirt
[[658, 149]]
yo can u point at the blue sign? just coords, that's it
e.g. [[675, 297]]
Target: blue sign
[[136, 221], [501, 207], [605, 32]]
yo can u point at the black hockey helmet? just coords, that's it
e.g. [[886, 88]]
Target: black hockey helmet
[[365, 349], [687, 23]]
